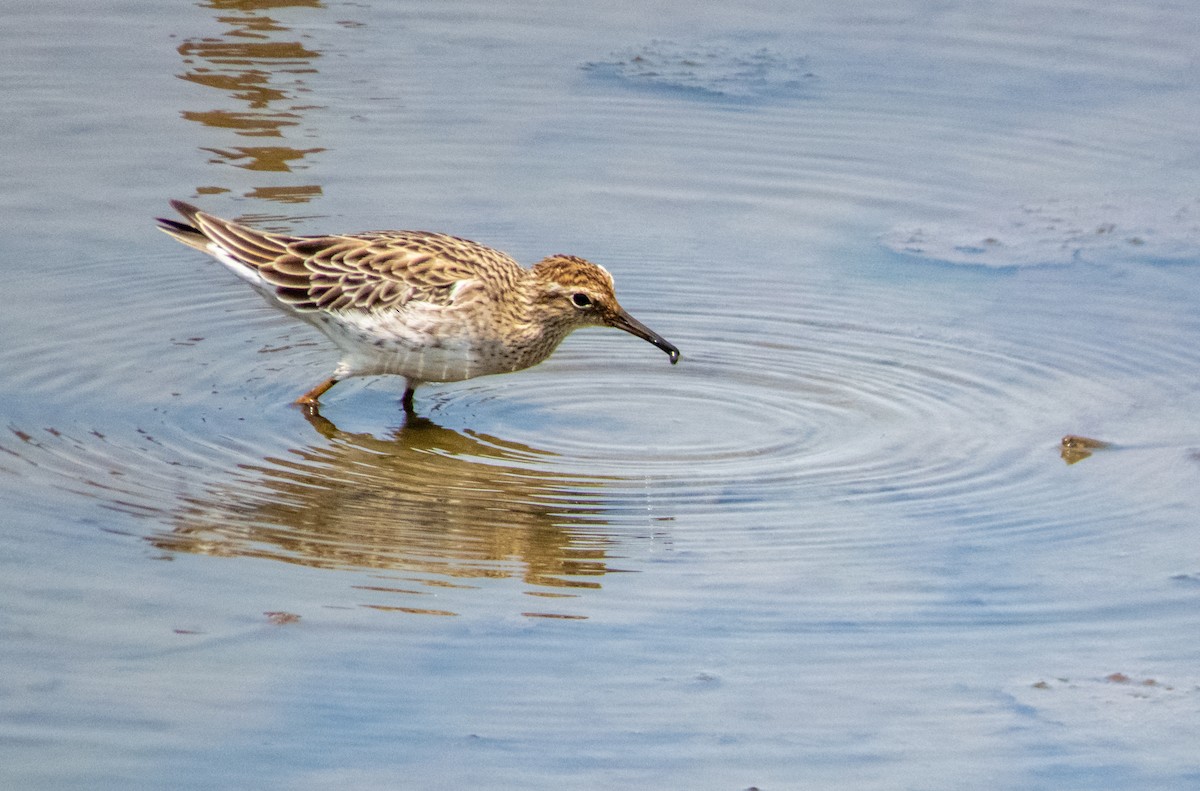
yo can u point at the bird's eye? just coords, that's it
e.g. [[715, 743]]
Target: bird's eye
[[581, 300]]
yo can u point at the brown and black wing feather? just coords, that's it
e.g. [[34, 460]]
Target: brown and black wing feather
[[368, 271]]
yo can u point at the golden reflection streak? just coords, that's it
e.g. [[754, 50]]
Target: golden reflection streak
[[258, 5], [425, 499], [259, 65], [273, 158]]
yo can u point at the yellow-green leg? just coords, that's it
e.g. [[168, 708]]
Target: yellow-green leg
[[309, 399]]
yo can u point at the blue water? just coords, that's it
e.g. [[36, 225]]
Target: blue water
[[904, 248]]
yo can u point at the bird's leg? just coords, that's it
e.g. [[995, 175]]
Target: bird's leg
[[406, 400], [309, 399]]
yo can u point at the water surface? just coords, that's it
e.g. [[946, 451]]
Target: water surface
[[904, 249]]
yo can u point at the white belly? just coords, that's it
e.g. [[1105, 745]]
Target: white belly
[[422, 346]]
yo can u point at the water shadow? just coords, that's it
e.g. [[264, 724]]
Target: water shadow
[[424, 499]]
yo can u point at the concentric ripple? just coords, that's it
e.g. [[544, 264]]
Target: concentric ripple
[[831, 421], [778, 411]]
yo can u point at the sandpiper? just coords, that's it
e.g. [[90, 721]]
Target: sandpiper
[[425, 306]]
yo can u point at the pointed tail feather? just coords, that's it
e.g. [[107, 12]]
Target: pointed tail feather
[[215, 236], [184, 232]]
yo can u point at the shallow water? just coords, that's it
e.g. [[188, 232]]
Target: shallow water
[[904, 250]]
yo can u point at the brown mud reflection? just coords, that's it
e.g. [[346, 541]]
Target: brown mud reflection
[[1076, 448], [424, 501], [259, 68]]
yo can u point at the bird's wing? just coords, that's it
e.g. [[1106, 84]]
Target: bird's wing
[[368, 271]]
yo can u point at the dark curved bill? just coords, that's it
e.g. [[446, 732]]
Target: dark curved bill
[[623, 321]]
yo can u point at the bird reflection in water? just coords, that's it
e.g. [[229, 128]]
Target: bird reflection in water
[[438, 506]]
